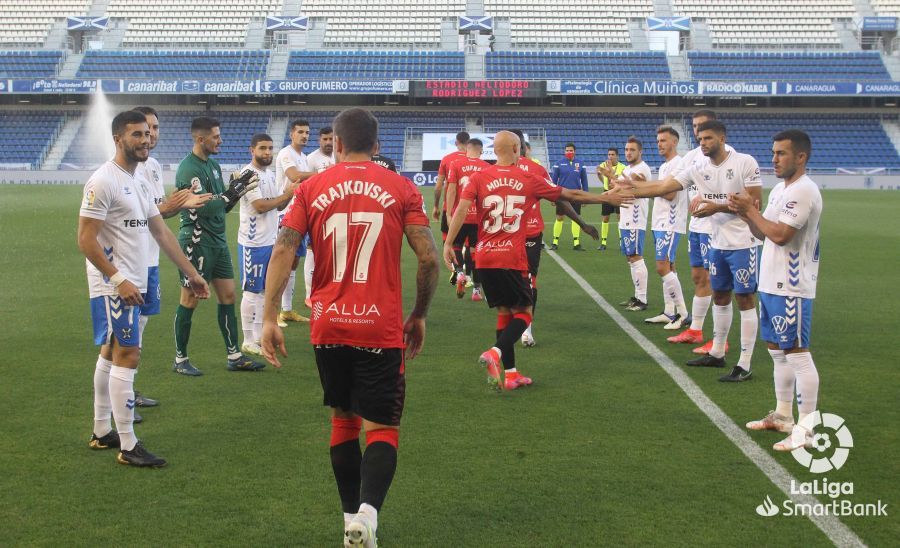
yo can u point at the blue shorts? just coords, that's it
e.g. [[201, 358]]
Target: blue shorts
[[301, 249], [785, 321], [153, 297], [112, 317], [254, 265], [666, 244], [698, 249], [733, 270], [631, 242]]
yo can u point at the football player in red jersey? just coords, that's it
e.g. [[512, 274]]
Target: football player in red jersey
[[503, 193], [458, 176], [440, 213], [356, 214], [534, 231]]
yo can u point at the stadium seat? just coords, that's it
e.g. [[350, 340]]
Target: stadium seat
[[831, 66], [328, 64], [240, 64], [29, 64]]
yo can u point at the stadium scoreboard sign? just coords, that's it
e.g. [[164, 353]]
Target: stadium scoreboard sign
[[477, 89]]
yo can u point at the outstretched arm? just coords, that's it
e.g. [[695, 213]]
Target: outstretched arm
[[617, 196], [276, 280], [650, 189], [570, 212], [421, 241]]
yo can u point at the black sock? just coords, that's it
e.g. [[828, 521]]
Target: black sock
[[533, 301], [506, 341], [345, 461], [499, 332], [470, 264], [460, 263], [509, 358], [378, 465]]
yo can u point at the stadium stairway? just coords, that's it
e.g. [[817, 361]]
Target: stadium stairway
[[892, 128], [679, 66], [474, 66], [256, 34], [58, 35], [700, 38], [278, 64], [892, 64], [412, 152], [474, 7], [290, 8], [864, 8], [98, 8], [638, 35], [61, 144], [662, 8], [684, 143], [847, 36], [278, 125], [70, 66]]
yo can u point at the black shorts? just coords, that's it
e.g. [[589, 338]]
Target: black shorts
[[467, 231], [504, 287], [533, 251], [607, 209], [575, 206], [370, 382], [445, 228]]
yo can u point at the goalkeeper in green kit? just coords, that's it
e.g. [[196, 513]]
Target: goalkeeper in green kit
[[202, 238]]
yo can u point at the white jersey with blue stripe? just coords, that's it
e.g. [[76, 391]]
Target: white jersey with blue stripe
[[670, 215], [124, 204], [634, 215], [259, 229], [792, 269], [151, 171]]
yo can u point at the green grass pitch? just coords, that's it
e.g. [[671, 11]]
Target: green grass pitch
[[603, 449]]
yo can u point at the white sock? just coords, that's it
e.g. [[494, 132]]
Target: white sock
[[721, 326], [639, 278], [248, 315], [287, 298], [668, 303], [347, 519], [121, 394], [672, 291], [142, 324], [528, 330], [749, 325], [784, 384], [699, 308], [370, 513], [309, 264], [102, 405], [258, 317], [807, 382]]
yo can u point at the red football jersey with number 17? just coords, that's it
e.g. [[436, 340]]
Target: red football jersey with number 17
[[504, 194], [459, 173], [534, 221], [355, 214]]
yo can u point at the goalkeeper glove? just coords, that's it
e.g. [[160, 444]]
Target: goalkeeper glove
[[238, 185]]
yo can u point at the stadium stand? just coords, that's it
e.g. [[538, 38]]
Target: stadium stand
[[26, 23], [384, 22], [831, 66], [577, 64], [26, 136], [887, 7], [168, 23], [767, 23], [243, 64], [376, 64], [577, 23], [839, 140], [29, 64]]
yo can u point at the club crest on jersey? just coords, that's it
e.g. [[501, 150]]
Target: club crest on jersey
[[729, 174]]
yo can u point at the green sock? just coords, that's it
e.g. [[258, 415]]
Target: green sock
[[183, 317], [228, 327], [604, 232], [557, 231]]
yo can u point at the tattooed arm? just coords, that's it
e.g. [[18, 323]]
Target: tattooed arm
[[422, 243], [276, 280]]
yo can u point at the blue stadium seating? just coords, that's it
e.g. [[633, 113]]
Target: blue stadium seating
[[376, 64], [644, 65], [839, 140], [831, 66], [29, 64], [25, 136], [210, 65]]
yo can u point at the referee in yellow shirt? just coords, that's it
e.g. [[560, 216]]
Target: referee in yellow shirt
[[611, 167]]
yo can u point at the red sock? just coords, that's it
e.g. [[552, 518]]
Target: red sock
[[503, 321], [524, 316], [387, 435], [344, 430]]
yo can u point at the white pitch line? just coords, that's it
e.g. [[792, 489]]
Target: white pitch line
[[834, 529]]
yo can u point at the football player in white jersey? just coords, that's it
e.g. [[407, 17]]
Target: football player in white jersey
[[118, 217], [319, 160], [733, 248], [633, 226], [699, 230], [291, 167], [789, 269], [256, 236], [669, 221], [169, 206]]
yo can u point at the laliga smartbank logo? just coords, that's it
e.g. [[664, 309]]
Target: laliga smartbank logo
[[825, 450]]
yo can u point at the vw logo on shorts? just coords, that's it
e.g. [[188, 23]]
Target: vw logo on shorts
[[626, 240], [660, 244], [704, 249], [779, 324], [742, 275]]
